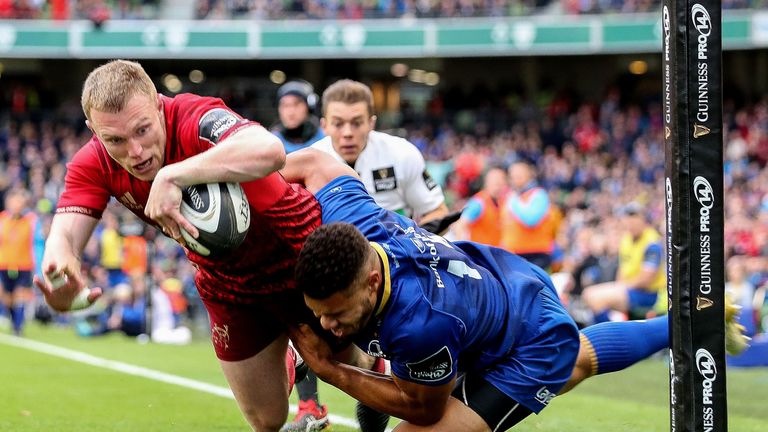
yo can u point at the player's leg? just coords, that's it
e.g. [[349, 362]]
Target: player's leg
[[13, 296], [613, 346], [20, 297], [251, 345], [6, 293], [368, 418], [311, 415], [260, 385]]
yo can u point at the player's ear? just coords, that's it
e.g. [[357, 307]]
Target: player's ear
[[323, 124], [373, 122], [89, 126], [374, 279]]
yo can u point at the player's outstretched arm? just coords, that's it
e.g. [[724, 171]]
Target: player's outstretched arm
[[415, 403], [62, 285], [314, 169]]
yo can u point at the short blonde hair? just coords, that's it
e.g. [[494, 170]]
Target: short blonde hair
[[109, 86], [348, 92]]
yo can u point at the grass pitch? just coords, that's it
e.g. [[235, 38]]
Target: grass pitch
[[44, 392]]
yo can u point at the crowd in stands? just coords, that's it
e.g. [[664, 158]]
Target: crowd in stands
[[95, 10], [592, 157], [102, 10]]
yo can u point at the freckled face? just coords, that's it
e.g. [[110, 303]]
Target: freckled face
[[134, 137]]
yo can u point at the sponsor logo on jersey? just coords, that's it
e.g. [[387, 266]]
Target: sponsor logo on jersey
[[215, 123], [419, 244], [428, 180], [75, 209], [433, 368], [544, 396], [384, 179], [130, 202], [374, 349]]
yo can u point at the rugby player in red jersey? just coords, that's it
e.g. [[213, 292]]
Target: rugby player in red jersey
[[145, 148]]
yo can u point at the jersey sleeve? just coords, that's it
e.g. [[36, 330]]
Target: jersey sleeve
[[422, 193], [85, 190], [425, 345], [652, 257], [202, 122]]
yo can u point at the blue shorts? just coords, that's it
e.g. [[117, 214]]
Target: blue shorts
[[12, 279], [641, 299], [544, 359]]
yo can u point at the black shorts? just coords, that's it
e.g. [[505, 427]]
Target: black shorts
[[499, 411], [12, 279]]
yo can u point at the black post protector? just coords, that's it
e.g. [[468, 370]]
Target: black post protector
[[692, 108]]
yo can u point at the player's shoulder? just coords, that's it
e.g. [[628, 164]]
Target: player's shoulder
[[384, 146], [189, 106], [185, 100], [388, 141]]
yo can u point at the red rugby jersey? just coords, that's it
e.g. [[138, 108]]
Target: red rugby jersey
[[282, 215]]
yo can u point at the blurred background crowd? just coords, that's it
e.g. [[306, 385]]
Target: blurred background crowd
[[324, 9], [593, 158], [593, 155]]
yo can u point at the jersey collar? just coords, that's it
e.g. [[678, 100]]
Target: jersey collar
[[387, 278]]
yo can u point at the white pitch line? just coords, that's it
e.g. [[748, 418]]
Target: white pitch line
[[138, 371]]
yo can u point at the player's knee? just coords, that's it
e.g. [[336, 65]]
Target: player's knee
[[263, 421]]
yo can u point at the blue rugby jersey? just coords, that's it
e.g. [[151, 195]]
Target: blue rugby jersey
[[446, 307]]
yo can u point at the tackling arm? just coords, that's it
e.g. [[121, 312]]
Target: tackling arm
[[314, 169], [415, 403]]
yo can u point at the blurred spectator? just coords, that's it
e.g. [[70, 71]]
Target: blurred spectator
[[529, 218], [481, 218], [298, 126], [111, 245], [641, 275], [19, 227]]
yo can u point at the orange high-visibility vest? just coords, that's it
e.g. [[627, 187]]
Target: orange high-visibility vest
[[519, 238], [487, 228], [17, 241]]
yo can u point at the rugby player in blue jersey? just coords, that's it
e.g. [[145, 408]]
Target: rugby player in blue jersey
[[477, 337]]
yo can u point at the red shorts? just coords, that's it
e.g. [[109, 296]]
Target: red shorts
[[240, 331]]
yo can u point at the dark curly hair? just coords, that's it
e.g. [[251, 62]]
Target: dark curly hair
[[331, 259]]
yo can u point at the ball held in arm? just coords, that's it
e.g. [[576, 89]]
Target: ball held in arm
[[221, 214]]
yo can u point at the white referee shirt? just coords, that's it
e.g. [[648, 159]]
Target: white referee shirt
[[394, 173]]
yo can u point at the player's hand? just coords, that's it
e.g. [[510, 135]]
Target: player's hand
[[64, 290], [163, 207], [313, 349]]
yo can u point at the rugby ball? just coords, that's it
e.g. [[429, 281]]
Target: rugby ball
[[221, 214]]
